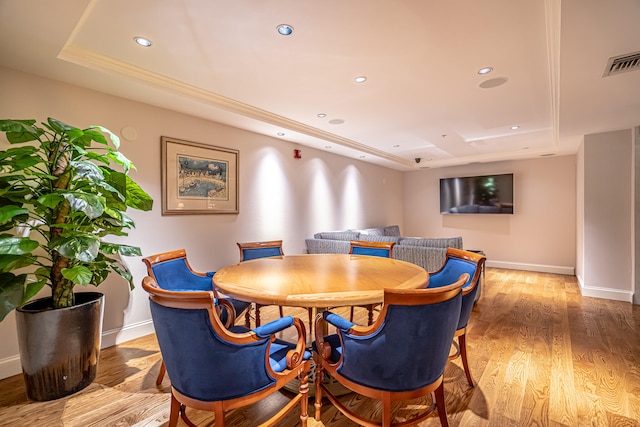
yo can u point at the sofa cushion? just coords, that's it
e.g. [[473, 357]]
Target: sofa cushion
[[392, 230], [375, 238], [379, 231], [443, 243], [337, 235]]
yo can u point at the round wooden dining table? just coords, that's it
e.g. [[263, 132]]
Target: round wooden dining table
[[318, 280]]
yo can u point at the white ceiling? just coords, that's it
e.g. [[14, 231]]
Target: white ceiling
[[225, 61]]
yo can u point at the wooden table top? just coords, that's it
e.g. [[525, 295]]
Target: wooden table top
[[323, 280]]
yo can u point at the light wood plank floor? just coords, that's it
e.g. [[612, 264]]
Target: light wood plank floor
[[541, 354]]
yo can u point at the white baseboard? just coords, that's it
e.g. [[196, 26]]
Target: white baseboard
[[555, 269], [126, 333], [604, 293], [10, 366]]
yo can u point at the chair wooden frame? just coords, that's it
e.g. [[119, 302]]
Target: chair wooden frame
[[461, 334], [371, 245], [262, 245], [297, 367], [152, 260], [436, 388]]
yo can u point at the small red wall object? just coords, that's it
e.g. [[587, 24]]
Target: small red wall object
[[297, 154]]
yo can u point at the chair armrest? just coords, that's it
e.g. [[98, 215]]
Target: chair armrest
[[264, 331], [323, 347], [294, 357], [337, 321], [231, 311]]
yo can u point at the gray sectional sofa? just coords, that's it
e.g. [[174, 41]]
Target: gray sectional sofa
[[429, 253]]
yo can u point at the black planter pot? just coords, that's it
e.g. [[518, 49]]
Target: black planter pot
[[59, 349]]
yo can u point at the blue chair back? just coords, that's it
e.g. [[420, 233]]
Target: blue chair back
[[260, 253], [410, 348], [255, 250], [379, 249], [175, 275], [186, 355], [458, 262]]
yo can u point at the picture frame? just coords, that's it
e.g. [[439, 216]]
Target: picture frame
[[198, 178]]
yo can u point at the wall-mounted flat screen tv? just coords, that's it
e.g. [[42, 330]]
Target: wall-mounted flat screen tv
[[487, 194]]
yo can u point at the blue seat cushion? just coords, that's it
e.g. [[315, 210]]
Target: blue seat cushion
[[278, 354], [336, 348]]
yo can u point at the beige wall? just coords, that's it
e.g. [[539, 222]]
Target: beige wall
[[606, 165], [280, 197], [539, 236]]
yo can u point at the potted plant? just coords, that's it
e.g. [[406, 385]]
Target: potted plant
[[59, 197]]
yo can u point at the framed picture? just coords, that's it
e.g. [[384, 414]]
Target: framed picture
[[198, 178]]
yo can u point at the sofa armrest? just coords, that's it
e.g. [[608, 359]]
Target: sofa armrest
[[326, 246], [431, 259]]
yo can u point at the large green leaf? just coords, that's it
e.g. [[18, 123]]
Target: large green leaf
[[83, 248], [12, 289], [51, 200], [14, 262], [27, 150], [18, 131], [17, 245], [112, 136], [89, 204], [137, 198], [78, 274], [87, 170], [125, 250], [8, 212], [16, 290]]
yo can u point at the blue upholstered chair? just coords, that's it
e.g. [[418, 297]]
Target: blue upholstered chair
[[255, 250], [213, 369], [379, 249], [172, 272], [401, 356], [459, 261]]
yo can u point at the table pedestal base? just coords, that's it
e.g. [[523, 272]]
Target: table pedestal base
[[334, 386]]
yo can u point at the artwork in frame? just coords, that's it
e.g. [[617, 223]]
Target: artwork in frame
[[198, 178]]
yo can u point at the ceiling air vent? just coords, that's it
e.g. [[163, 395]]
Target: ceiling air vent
[[622, 64]]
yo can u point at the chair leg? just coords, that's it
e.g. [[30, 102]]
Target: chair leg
[[161, 373], [247, 318], [370, 318], [438, 396], [175, 411], [462, 342], [318, 390], [304, 401], [258, 307], [386, 410]]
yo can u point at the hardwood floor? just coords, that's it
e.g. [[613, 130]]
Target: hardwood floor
[[541, 354]]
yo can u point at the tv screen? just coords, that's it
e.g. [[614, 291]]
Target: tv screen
[[488, 194]]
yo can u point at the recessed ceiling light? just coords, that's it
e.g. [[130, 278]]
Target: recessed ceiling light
[[328, 147], [285, 29], [280, 133], [396, 146], [322, 115], [142, 41], [515, 127], [336, 121], [485, 70], [360, 79]]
